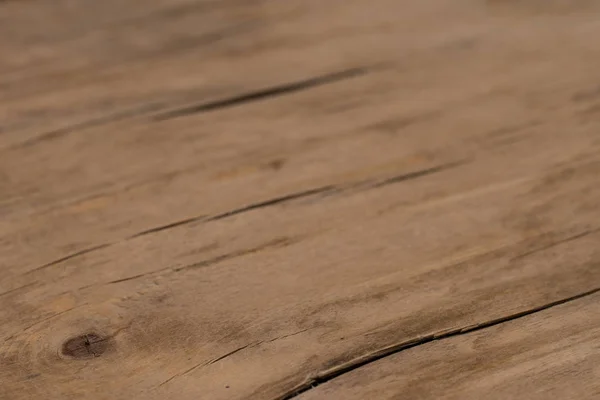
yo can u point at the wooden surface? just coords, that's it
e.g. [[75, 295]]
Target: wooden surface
[[550, 354], [237, 199]]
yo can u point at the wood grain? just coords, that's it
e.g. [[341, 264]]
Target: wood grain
[[553, 353], [228, 199]]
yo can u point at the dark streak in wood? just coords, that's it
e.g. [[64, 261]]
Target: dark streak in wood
[[329, 189], [68, 257], [60, 132], [263, 94], [335, 372], [556, 243]]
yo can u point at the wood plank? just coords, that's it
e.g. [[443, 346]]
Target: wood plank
[[445, 116], [300, 288], [134, 76], [550, 354], [234, 253]]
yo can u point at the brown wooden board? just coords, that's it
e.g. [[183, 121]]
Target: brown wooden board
[[551, 354], [246, 216]]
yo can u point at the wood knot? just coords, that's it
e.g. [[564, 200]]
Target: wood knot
[[86, 346]]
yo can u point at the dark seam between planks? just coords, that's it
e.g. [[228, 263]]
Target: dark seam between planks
[[263, 94], [338, 371]]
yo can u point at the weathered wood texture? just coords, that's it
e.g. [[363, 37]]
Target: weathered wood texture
[[236, 199], [553, 354]]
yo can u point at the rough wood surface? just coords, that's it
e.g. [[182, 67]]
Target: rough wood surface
[[237, 199], [551, 354]]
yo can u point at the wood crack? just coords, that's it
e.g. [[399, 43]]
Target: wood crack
[[68, 257], [251, 207], [262, 94], [373, 184], [229, 354], [236, 100], [224, 356], [367, 184], [327, 189], [168, 226], [91, 123], [556, 243], [279, 242], [275, 201], [45, 319], [17, 289], [337, 371], [288, 335], [203, 364]]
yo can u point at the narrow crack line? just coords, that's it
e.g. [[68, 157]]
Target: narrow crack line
[[272, 244], [168, 226], [205, 363], [129, 278], [46, 319], [230, 213], [90, 123], [53, 316], [224, 356], [366, 184], [68, 257], [280, 242], [557, 243], [215, 260], [288, 335], [88, 345], [335, 372], [373, 184], [134, 277], [180, 374], [418, 174], [187, 371], [17, 289], [323, 190], [263, 94], [275, 201]]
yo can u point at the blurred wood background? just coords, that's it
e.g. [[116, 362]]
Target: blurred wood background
[[263, 199]]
